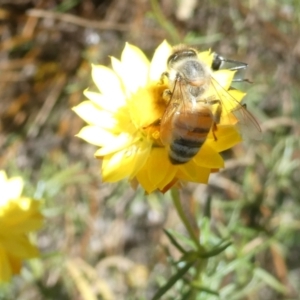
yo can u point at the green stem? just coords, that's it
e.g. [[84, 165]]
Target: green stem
[[164, 23], [182, 216], [199, 264]]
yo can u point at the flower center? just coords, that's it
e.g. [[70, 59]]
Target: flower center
[[147, 107]]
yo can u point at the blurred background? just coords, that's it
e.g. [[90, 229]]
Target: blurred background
[[106, 241]]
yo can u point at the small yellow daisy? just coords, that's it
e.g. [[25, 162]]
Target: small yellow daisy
[[18, 217], [120, 116]]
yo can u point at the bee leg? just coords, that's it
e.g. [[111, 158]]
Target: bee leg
[[217, 117], [164, 74], [218, 113], [214, 128], [156, 123], [167, 94]]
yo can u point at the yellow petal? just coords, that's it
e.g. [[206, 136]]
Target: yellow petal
[[145, 182], [187, 171], [96, 135], [207, 157], [236, 95], [111, 104], [5, 268], [119, 165], [157, 165], [15, 263], [11, 189], [135, 67], [108, 82], [228, 136], [158, 172], [120, 70], [147, 105], [142, 153], [3, 178], [159, 61], [21, 215], [19, 246], [169, 177], [206, 57], [222, 79], [117, 143], [87, 111], [191, 172]]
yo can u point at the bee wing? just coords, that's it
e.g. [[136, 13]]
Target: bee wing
[[248, 125], [178, 103], [235, 112]]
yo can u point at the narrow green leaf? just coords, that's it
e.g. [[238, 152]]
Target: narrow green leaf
[[270, 280], [180, 211], [214, 252], [172, 281], [163, 21], [201, 288], [189, 256], [207, 207], [174, 242], [183, 239], [187, 295]]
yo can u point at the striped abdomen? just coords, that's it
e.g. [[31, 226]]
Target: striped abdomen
[[190, 130]]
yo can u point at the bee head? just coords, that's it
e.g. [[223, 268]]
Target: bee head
[[184, 65], [179, 55]]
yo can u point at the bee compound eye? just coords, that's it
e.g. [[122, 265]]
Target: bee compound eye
[[172, 59], [191, 53], [181, 55]]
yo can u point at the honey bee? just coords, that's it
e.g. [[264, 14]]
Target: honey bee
[[190, 116]]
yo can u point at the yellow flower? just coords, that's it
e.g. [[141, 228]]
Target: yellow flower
[[120, 122], [18, 217]]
